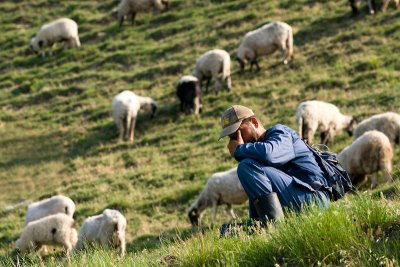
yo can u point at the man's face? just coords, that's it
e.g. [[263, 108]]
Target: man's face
[[248, 132]]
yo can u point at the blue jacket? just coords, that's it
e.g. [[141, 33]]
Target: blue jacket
[[283, 149]]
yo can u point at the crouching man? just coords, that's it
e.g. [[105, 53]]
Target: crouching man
[[276, 168]]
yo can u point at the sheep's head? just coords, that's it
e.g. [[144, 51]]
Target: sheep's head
[[36, 45], [193, 216], [165, 3], [241, 62], [352, 125]]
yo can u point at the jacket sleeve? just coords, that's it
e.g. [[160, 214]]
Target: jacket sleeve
[[275, 151]]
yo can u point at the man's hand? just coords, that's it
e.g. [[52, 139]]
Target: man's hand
[[234, 143]]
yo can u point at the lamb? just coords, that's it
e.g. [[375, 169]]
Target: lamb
[[49, 206], [61, 30], [55, 230], [316, 115], [371, 5], [370, 153], [221, 188], [265, 41], [214, 64], [189, 94], [124, 109], [387, 123], [106, 229], [132, 7]]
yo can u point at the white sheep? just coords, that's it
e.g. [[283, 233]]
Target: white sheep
[[387, 123], [132, 7], [370, 153], [221, 188], [106, 229], [265, 41], [124, 109], [54, 230], [61, 30], [316, 115], [214, 64], [49, 206]]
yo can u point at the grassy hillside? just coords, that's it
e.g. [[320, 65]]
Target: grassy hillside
[[57, 135]]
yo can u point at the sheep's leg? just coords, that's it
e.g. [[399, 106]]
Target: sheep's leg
[[397, 2], [254, 62], [133, 16], [196, 104], [208, 84], [132, 129], [371, 7], [230, 212], [284, 52], [228, 83], [214, 212], [121, 21], [324, 137], [385, 5], [121, 130], [217, 85], [360, 180], [374, 181]]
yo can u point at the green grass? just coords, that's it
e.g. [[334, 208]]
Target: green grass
[[57, 135]]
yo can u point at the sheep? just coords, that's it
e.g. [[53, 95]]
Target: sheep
[[387, 123], [370, 153], [371, 5], [124, 109], [61, 30], [49, 206], [189, 93], [55, 230], [214, 64], [265, 41], [106, 229], [132, 7], [221, 188], [316, 115]]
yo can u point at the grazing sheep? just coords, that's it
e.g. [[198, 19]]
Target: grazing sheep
[[371, 5], [61, 30], [316, 115], [124, 109], [189, 94], [214, 64], [132, 7], [106, 229], [221, 188], [387, 123], [370, 153], [265, 41], [49, 206], [54, 230]]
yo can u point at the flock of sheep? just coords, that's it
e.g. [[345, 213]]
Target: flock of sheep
[[50, 222]]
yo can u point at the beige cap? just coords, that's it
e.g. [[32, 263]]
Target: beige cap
[[232, 118]]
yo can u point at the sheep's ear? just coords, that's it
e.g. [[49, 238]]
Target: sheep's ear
[[41, 43], [354, 119]]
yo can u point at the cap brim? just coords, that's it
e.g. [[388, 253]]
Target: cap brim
[[230, 129]]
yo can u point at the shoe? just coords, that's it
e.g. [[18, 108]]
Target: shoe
[[268, 208]]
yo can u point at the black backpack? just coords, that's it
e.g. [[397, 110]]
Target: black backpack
[[337, 177]]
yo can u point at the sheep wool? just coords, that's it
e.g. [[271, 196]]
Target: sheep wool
[[106, 229], [265, 41], [61, 30], [221, 188], [369, 154], [132, 7], [387, 123], [55, 230], [216, 65], [49, 206], [316, 115]]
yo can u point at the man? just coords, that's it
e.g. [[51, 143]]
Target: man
[[276, 168]]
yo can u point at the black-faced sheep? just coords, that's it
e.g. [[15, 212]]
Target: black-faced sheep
[[387, 123], [216, 65], [369, 154], [221, 188], [316, 115], [189, 93], [61, 30], [54, 230], [124, 109], [132, 7], [106, 229], [49, 206], [265, 41]]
